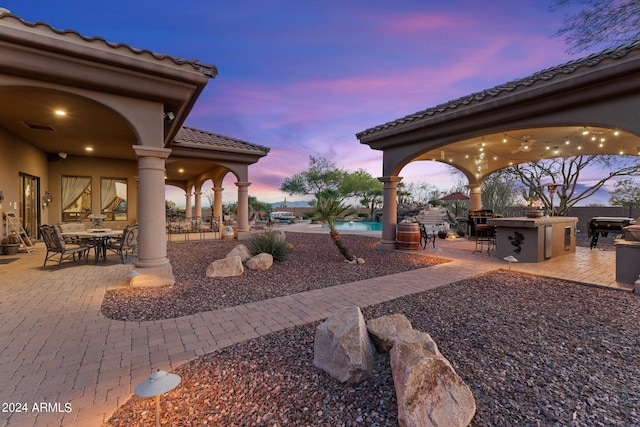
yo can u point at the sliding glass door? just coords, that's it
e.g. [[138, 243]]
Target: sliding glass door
[[29, 204]]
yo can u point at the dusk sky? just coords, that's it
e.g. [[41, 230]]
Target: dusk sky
[[303, 77]]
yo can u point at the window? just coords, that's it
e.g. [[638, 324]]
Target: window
[[113, 199], [76, 198]]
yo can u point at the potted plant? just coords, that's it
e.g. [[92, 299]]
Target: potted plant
[[10, 244], [443, 234]]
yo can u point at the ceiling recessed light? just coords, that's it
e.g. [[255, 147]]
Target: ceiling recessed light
[[88, 148], [60, 113], [181, 170]]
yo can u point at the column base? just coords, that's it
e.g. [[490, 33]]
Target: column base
[[386, 245], [153, 276]]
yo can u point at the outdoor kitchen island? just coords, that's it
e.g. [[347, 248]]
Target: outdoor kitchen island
[[534, 239]]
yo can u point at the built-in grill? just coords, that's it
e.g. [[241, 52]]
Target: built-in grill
[[603, 225]]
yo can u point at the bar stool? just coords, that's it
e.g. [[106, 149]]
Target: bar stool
[[485, 234]]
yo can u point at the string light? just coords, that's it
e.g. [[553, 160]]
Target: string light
[[527, 144]]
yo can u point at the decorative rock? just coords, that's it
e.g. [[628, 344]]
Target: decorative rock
[[226, 267], [428, 390], [424, 339], [260, 262], [384, 330], [342, 346], [242, 251]]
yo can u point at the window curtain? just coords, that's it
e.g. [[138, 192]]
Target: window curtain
[[113, 192], [73, 187], [108, 195]]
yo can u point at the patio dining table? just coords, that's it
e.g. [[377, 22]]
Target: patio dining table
[[99, 236]]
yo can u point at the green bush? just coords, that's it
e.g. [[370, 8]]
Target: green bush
[[461, 230], [269, 243]]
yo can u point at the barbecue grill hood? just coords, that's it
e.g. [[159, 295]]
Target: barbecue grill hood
[[632, 232]]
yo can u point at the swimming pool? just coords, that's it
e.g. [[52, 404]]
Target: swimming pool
[[357, 226]]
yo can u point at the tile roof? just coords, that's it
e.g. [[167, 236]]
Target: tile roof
[[206, 69], [485, 95], [208, 139]]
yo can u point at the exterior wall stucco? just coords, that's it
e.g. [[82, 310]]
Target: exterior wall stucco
[[19, 156]]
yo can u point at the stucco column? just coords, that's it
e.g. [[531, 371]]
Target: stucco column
[[243, 206], [476, 198], [187, 205], [389, 212], [198, 204], [152, 245], [217, 202]]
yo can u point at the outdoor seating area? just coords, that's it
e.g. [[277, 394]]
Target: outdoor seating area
[[74, 241], [201, 228], [281, 218]]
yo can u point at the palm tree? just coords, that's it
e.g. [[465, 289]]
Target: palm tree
[[327, 211]]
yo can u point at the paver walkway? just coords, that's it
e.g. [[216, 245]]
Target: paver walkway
[[57, 348]]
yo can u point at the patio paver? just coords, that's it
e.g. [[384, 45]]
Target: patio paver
[[59, 349]]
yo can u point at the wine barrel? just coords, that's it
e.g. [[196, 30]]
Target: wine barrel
[[408, 236]]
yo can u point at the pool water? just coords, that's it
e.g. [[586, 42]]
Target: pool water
[[358, 226]]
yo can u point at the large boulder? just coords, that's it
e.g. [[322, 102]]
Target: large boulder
[[384, 330], [342, 346], [226, 267], [428, 390], [260, 262], [240, 250]]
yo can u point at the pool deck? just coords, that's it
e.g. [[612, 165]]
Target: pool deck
[[59, 349]]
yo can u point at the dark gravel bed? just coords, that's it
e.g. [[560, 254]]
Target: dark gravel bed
[[535, 352], [314, 263]]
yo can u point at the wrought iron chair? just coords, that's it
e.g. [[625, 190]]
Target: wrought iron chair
[[425, 237], [125, 245], [57, 246]]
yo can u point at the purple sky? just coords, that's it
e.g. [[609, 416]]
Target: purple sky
[[303, 77]]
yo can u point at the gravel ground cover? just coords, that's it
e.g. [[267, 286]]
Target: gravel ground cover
[[535, 352], [314, 263]]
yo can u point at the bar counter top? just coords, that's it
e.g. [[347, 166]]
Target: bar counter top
[[525, 222]]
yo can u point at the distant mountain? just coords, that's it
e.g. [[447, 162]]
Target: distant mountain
[[290, 204]]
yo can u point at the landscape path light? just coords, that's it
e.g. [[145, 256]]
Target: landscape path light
[[131, 276], [511, 259], [437, 250], [158, 383]]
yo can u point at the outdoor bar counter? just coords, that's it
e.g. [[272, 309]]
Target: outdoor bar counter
[[534, 239]]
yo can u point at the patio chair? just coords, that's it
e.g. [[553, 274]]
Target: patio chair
[[425, 236], [57, 246], [125, 245]]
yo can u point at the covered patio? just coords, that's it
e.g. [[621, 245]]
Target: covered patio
[[586, 106], [81, 117]]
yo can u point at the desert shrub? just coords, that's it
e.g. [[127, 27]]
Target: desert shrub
[[270, 243], [461, 230]]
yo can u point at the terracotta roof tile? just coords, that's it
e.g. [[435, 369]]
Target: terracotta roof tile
[[478, 97], [197, 136], [206, 69]]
